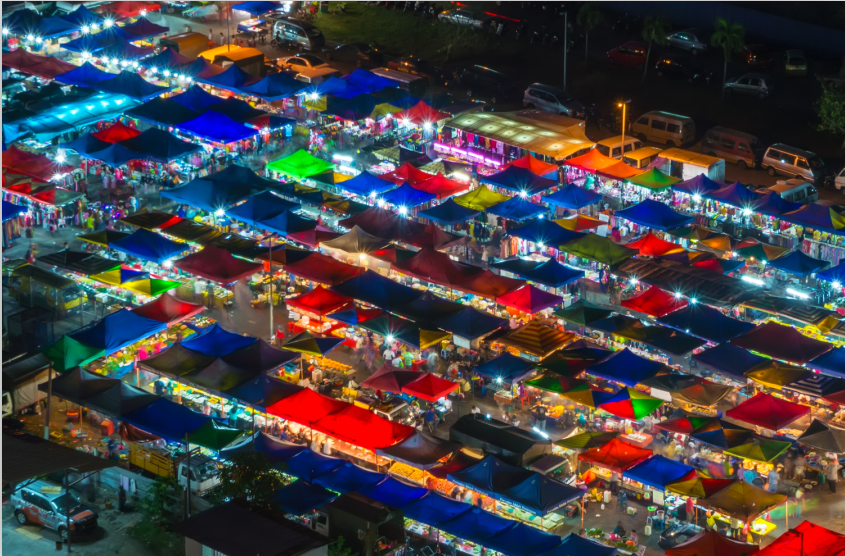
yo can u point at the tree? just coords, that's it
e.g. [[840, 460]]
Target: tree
[[730, 37], [589, 17], [655, 30], [248, 476], [159, 505], [832, 110], [338, 548]]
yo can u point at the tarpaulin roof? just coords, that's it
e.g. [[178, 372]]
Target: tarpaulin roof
[[441, 186], [652, 246], [379, 291], [300, 165], [768, 412], [85, 145], [82, 16], [260, 207], [167, 419], [217, 342], [702, 392], [287, 222], [626, 367], [490, 476], [449, 213], [393, 492], [706, 323], [586, 440], [307, 465], [753, 249], [368, 81], [743, 501], [798, 263], [573, 545], [529, 299], [630, 404], [167, 59], [544, 231], [275, 86], [354, 317], [538, 494], [534, 164], [365, 184], [305, 342], [658, 471], [357, 241], [736, 194], [817, 385], [598, 249], [421, 113], [78, 261], [420, 450], [257, 7], [168, 309], [93, 43], [38, 166], [583, 313], [405, 331], [143, 28], [772, 204], [480, 198], [552, 274], [110, 396], [722, 434], [653, 179], [434, 509], [45, 67], [117, 155], [124, 51], [436, 267], [131, 84], [349, 478], [654, 302], [662, 338], [505, 367], [232, 79], [760, 450], [11, 210], [536, 339], [318, 301], [214, 436], [579, 223], [217, 265], [149, 246], [517, 209], [116, 133], [699, 185], [712, 543], [551, 382], [237, 110], [818, 217], [159, 145], [196, 98], [520, 180], [324, 270], [163, 111], [822, 437], [382, 223], [782, 342], [67, 353], [429, 387], [117, 330], [572, 197], [362, 427], [306, 407], [775, 374], [209, 194], [351, 109], [698, 487], [832, 362], [428, 308], [470, 323], [301, 497], [591, 161], [390, 379], [808, 539], [656, 215], [616, 455], [489, 284], [217, 128]]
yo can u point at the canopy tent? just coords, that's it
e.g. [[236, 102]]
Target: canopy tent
[[702, 392], [818, 217], [168, 309], [357, 241], [354, 317], [582, 313], [728, 359], [760, 251], [551, 274], [86, 75], [300, 165], [823, 438], [651, 214], [366, 184], [311, 238], [706, 323], [405, 331], [257, 7], [572, 197], [545, 232], [441, 186], [217, 128], [306, 407], [626, 367], [782, 342], [420, 450], [116, 133], [760, 450], [406, 173], [722, 434], [210, 194], [736, 194], [162, 111], [11, 210], [743, 501], [698, 487], [324, 270], [349, 478], [103, 238], [616, 455], [237, 110], [772, 204], [591, 161], [124, 51], [654, 179], [505, 368], [586, 440], [274, 87], [159, 145], [529, 299], [393, 492], [579, 351], [534, 164], [654, 302], [116, 331], [834, 274], [361, 427], [428, 308], [579, 223], [557, 384], [536, 339], [196, 98], [318, 301], [652, 246], [630, 404], [16, 161], [117, 155], [167, 419], [85, 145], [301, 497], [77, 261], [351, 109], [217, 265], [232, 78], [711, 543], [214, 436], [658, 472], [619, 171], [368, 81], [287, 222], [421, 114], [776, 375], [698, 185], [517, 209], [599, 249], [45, 67], [798, 263], [67, 353], [491, 476], [480, 199], [132, 85], [816, 385], [768, 412], [808, 539], [436, 267], [573, 545], [832, 362], [520, 180], [217, 342], [539, 495], [94, 43], [470, 323], [262, 206], [377, 290], [307, 343], [434, 509], [167, 59], [307, 465], [664, 339], [149, 246], [390, 379]]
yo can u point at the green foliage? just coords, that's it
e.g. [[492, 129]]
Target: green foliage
[[832, 110], [156, 540], [589, 16], [248, 476], [338, 548], [160, 504], [655, 30], [730, 37]]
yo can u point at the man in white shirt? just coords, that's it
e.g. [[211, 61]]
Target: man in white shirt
[[389, 354], [475, 410]]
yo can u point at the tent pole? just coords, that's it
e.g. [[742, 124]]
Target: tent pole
[[253, 426], [583, 499], [787, 514], [67, 509], [188, 475], [49, 399], [270, 272]]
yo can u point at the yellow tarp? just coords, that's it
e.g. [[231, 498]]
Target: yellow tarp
[[431, 337], [382, 110], [480, 199]]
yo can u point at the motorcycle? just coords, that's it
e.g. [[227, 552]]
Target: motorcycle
[[601, 120]]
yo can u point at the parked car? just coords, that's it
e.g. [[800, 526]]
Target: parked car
[[678, 534], [690, 40], [415, 65], [664, 127], [839, 181], [755, 84], [743, 149], [301, 62], [642, 157], [786, 160], [462, 17], [796, 63], [795, 190], [46, 504], [612, 146], [361, 54], [300, 33], [553, 99], [630, 54], [672, 65], [488, 82], [757, 56]]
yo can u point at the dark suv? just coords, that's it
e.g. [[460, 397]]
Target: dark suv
[[679, 67], [488, 82]]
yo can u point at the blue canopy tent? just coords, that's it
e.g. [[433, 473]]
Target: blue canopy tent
[[772, 204], [275, 86], [736, 195], [352, 109], [85, 145], [167, 419], [405, 195], [233, 79], [22, 22], [160, 145], [539, 495], [167, 59], [626, 367], [117, 330], [393, 492], [332, 86], [476, 525], [699, 185], [237, 110], [54, 27], [163, 112], [434, 509], [149, 246], [217, 128], [218, 342], [798, 263], [86, 75], [505, 368], [131, 85], [257, 7], [11, 210], [143, 28], [546, 232], [349, 478], [94, 43], [275, 450], [658, 471], [124, 51], [82, 16], [553, 274], [816, 216], [259, 207], [521, 180], [470, 323], [517, 209], [834, 274], [572, 197], [308, 465], [377, 290], [366, 184], [706, 323], [729, 359], [651, 214], [574, 545], [832, 362], [368, 81], [116, 155], [207, 194], [286, 223], [449, 213], [196, 98], [300, 497], [522, 540], [490, 476]]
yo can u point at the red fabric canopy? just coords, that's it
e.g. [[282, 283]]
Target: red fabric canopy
[[529, 299], [429, 387], [323, 269], [390, 379], [768, 412], [217, 265], [313, 238], [652, 246], [591, 161], [306, 407], [33, 64], [36, 166], [490, 285], [432, 236], [711, 543], [119, 131], [616, 455], [421, 113], [531, 163], [654, 302], [780, 341], [362, 427], [436, 267], [808, 539], [405, 173], [131, 9], [318, 301], [168, 309], [441, 186]]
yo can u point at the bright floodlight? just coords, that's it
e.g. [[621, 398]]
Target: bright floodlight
[[85, 29], [219, 212], [108, 22], [837, 285], [541, 245], [427, 125], [30, 38], [403, 210], [696, 197], [634, 281], [5, 30]]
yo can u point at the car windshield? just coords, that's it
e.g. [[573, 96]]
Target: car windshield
[[815, 162], [313, 60], [313, 32], [62, 500]]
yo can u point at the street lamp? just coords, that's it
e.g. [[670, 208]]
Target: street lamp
[[624, 106]]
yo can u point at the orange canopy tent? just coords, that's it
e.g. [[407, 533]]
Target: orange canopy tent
[[619, 171], [592, 161], [616, 455], [652, 246], [654, 302], [532, 163]]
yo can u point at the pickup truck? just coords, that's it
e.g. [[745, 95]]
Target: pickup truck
[[204, 471]]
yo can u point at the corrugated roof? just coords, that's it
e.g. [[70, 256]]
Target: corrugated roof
[[26, 456]]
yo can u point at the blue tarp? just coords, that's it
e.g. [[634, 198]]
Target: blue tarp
[[522, 540], [699, 185], [167, 419], [655, 215], [539, 495], [835, 274], [377, 290], [476, 525], [208, 195], [449, 213], [365, 184], [160, 145], [490, 476], [349, 478], [93, 43], [144, 28], [86, 75], [517, 209], [658, 471], [232, 79], [706, 323], [509, 368], [470, 323], [368, 81], [82, 16], [286, 223], [832, 362], [275, 86], [798, 263], [261, 207], [307, 465], [813, 216], [729, 359], [163, 111], [125, 51], [117, 330], [217, 342], [434, 509], [332, 86], [53, 27], [196, 98], [573, 545], [572, 197], [116, 155], [217, 128], [85, 145], [625, 367], [772, 204], [736, 195], [393, 492], [352, 109], [552, 274], [521, 180], [405, 195], [132, 85], [299, 497], [11, 210], [149, 246], [275, 450], [257, 7], [167, 59], [237, 110], [546, 232], [22, 22]]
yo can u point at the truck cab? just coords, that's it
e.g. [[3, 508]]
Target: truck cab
[[204, 473]]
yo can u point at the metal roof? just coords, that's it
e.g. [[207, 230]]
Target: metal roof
[[26, 456]]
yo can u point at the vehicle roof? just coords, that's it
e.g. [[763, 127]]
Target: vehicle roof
[[189, 34], [547, 88], [486, 69], [36, 487], [643, 152], [303, 24], [309, 57], [734, 132], [792, 150], [784, 187], [683, 155], [639, 44], [611, 141], [666, 115], [754, 75]]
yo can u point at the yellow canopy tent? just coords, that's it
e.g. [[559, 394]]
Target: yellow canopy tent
[[480, 198]]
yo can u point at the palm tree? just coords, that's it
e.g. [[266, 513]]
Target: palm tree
[[589, 16], [731, 39], [655, 30]]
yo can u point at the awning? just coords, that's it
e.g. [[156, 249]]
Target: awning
[[591, 161], [630, 404], [808, 539], [480, 198], [390, 379], [823, 437], [529, 299], [534, 164], [519, 180], [324, 270], [302, 497], [743, 501], [798, 263], [626, 367], [599, 249], [706, 323], [449, 213], [651, 214], [652, 246], [768, 412], [654, 302], [420, 450], [572, 197], [654, 179], [217, 128], [377, 290], [470, 323], [116, 331], [658, 472], [300, 165], [366, 184], [536, 339], [616, 455], [782, 342], [517, 209]]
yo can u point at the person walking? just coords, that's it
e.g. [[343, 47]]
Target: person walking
[[622, 500], [833, 474], [429, 419]]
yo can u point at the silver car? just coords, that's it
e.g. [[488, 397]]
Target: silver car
[[749, 84], [553, 99], [461, 17], [690, 40]]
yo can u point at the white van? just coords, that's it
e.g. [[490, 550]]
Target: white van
[[795, 190], [612, 146], [783, 159], [664, 127], [641, 158]]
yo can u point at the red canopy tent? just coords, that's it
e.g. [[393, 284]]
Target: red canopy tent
[[652, 246], [616, 455], [531, 163], [654, 302], [429, 387], [768, 412], [323, 269], [490, 285], [313, 238], [591, 161], [37, 166], [711, 543], [421, 114], [361, 427], [441, 186], [168, 309], [217, 264], [529, 299], [131, 9], [306, 407], [319, 301], [118, 131], [436, 267], [405, 173], [808, 539], [390, 379], [780, 341], [432, 236], [46, 67]]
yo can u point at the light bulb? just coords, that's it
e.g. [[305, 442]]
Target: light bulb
[[85, 29], [696, 197], [108, 22], [167, 73], [5, 30], [30, 38]]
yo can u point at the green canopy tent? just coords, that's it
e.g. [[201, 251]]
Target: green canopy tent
[[306, 343], [743, 501], [654, 179], [300, 165], [760, 450], [214, 436], [555, 383], [599, 249], [68, 353], [104, 237], [582, 313], [586, 440]]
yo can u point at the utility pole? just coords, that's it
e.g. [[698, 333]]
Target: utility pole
[[565, 44]]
